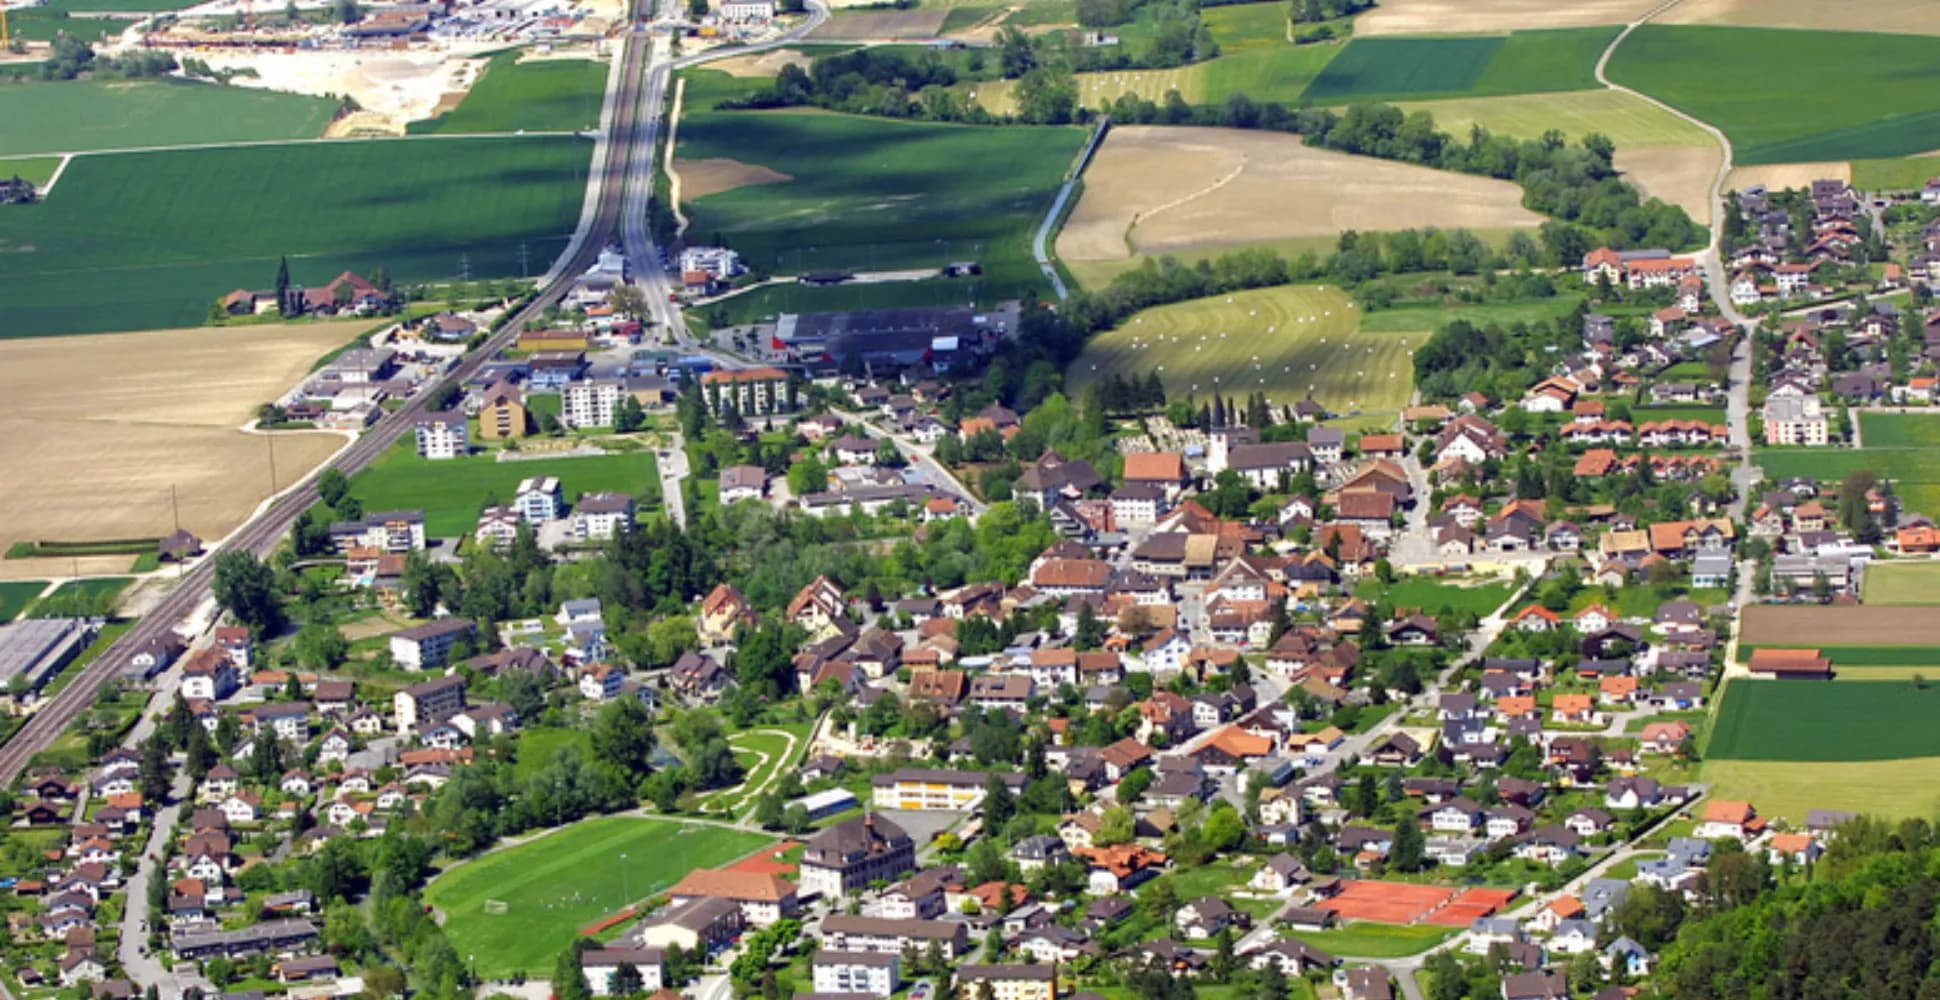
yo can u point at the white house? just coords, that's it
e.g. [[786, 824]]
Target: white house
[[538, 499], [589, 403], [442, 435]]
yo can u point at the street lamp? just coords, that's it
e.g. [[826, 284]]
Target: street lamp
[[626, 881]]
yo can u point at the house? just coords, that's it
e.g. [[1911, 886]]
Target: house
[[1367, 982], [429, 703], [210, 676], [1633, 793], [1793, 848], [602, 969], [1007, 982], [1165, 470], [1294, 956], [502, 413], [856, 973], [1207, 916], [1726, 819], [935, 790], [442, 436], [1789, 664], [1664, 737], [1281, 874], [743, 482], [601, 515], [1798, 420], [422, 647], [1535, 986], [851, 854]]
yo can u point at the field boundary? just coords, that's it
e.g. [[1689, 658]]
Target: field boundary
[[1060, 206]]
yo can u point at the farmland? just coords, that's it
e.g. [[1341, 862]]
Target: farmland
[[1907, 16], [37, 169], [1384, 69], [15, 595], [409, 205], [1414, 17], [1903, 174], [1803, 625], [451, 491], [106, 471], [1915, 471], [1900, 430], [78, 115], [1847, 94], [1628, 121], [556, 884], [1889, 789], [1288, 342], [871, 193], [1436, 596], [1164, 190], [1902, 583], [1264, 74], [1826, 721], [538, 95]]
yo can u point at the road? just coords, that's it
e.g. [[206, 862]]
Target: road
[[618, 148], [144, 967], [919, 456]]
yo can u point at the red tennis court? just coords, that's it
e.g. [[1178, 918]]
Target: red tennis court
[[1387, 902], [1471, 904]]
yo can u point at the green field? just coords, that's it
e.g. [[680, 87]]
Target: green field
[[44, 25], [451, 492], [1844, 95], [106, 586], [1709, 414], [1900, 430], [541, 95], [1368, 940], [1902, 583], [1915, 471], [1436, 595], [15, 595], [78, 115], [1526, 62], [1889, 789], [1424, 318], [538, 744], [1629, 121], [1826, 721], [107, 252], [37, 169], [1908, 173], [130, 6], [563, 881], [1265, 74], [871, 193], [1304, 337], [1243, 26]]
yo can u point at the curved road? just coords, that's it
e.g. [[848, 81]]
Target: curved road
[[261, 534]]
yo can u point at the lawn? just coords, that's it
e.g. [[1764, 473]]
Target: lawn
[[1890, 789], [1289, 342], [43, 26], [1526, 62], [1436, 595], [1368, 940], [1825, 721], [1642, 601], [1629, 121], [15, 595], [1902, 583], [37, 169], [1708, 414], [565, 880], [1915, 471], [106, 586], [75, 115], [1427, 318], [872, 193], [451, 492], [1846, 95], [1900, 430], [107, 252], [539, 95], [539, 744], [764, 752], [1902, 174]]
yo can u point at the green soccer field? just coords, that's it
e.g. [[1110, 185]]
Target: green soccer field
[[555, 885], [541, 95], [876, 194], [150, 240], [80, 115], [1838, 720], [1844, 95], [452, 491], [1288, 342]]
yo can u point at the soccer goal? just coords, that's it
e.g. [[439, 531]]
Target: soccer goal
[[497, 907]]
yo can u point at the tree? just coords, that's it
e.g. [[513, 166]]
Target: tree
[[320, 647], [1090, 631], [1134, 785], [998, 804], [568, 978], [623, 735], [768, 811], [1115, 826], [154, 771], [247, 587], [1409, 852], [332, 486]]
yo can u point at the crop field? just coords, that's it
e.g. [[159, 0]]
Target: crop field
[[1907, 173], [860, 25], [1836, 720], [1915, 471], [1899, 16], [1900, 430], [1810, 625], [1890, 583], [79, 115], [871, 193], [104, 253], [105, 471], [552, 886], [1418, 17], [1630, 122], [452, 491], [104, 586], [1242, 26], [1526, 62], [1290, 342], [36, 169], [15, 595], [538, 95], [1847, 94], [1890, 789], [1154, 189]]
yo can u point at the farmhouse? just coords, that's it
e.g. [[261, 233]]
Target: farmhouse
[[1789, 664]]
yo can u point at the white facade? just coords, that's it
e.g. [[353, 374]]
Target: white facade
[[856, 972], [589, 403], [538, 499], [442, 437]]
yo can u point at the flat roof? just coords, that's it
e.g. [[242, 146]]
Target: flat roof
[[37, 647]]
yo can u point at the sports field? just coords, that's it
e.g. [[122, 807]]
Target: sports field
[[106, 252], [1846, 94], [106, 470], [1915, 471], [1290, 342], [1840, 720], [451, 492], [537, 95], [1903, 583], [1157, 190], [1370, 940], [553, 886], [74, 115], [872, 193], [1526, 62]]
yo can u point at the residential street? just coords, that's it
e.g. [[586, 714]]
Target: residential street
[[144, 967]]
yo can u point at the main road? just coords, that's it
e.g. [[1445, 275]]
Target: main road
[[622, 179]]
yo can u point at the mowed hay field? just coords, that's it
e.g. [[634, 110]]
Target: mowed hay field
[[1890, 789], [143, 240], [1894, 16], [1291, 342], [1902, 447], [1153, 189], [161, 410], [536, 95], [1845, 94], [79, 115], [558, 883], [1420, 17], [1890, 583], [1525, 62]]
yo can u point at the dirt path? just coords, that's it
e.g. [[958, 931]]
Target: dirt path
[[673, 176]]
